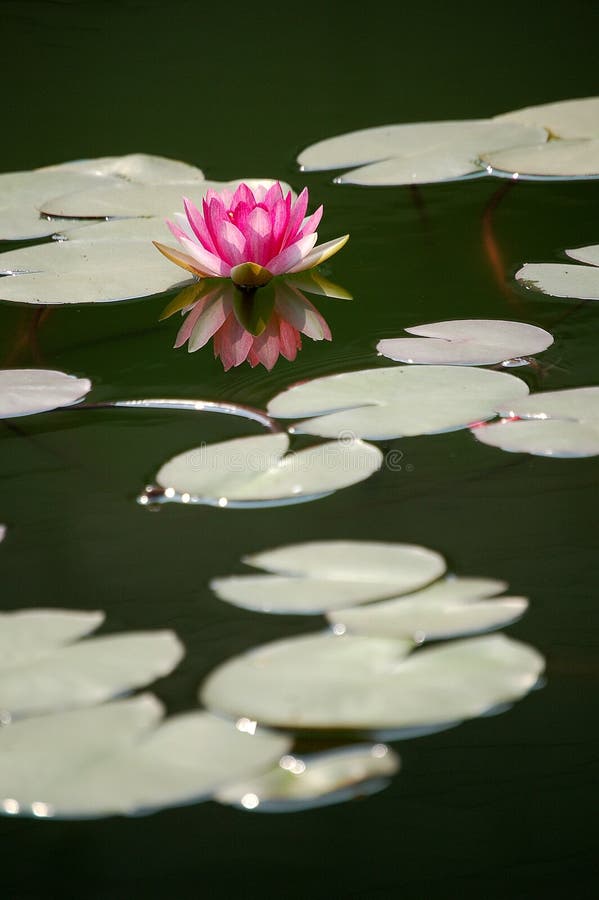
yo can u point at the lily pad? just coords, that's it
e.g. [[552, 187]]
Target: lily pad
[[551, 423], [315, 780], [466, 342], [324, 681], [326, 575], [558, 280], [566, 119], [252, 470], [450, 608], [553, 160], [416, 153], [43, 668], [395, 402], [27, 391], [23, 194], [85, 270], [120, 758]]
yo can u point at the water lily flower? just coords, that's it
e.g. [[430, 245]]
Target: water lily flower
[[257, 327], [249, 236]]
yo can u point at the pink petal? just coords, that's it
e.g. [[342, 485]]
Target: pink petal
[[208, 262], [291, 255], [320, 254], [232, 343], [298, 211], [280, 219], [273, 195], [266, 346], [258, 234], [231, 243], [243, 194], [191, 318], [212, 318], [310, 224], [290, 340], [198, 225], [297, 311]]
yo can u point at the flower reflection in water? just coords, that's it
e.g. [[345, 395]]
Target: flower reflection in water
[[256, 325]]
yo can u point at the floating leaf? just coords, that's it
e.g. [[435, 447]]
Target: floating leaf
[[396, 402], [23, 194], [83, 270], [555, 159], [325, 575], [567, 119], [41, 669], [558, 280], [416, 153], [27, 391], [353, 682], [449, 608], [466, 342], [251, 470], [120, 758], [314, 780], [2, 532], [551, 423]]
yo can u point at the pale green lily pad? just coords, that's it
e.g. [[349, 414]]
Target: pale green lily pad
[[28, 634], [554, 159], [551, 423], [567, 119], [23, 194], [43, 669], [2, 532], [557, 280], [326, 575], [395, 402], [126, 199], [315, 780], [120, 758], [453, 607], [580, 404], [589, 254], [255, 469], [24, 392], [415, 153], [324, 681], [466, 342], [85, 271], [550, 437]]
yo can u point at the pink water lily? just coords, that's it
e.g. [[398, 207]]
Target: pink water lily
[[249, 236], [215, 315]]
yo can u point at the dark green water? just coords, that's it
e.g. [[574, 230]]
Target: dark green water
[[499, 807]]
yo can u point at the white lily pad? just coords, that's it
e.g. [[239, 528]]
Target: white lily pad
[[119, 758], [416, 153], [23, 194], [27, 391], [589, 254], [326, 575], [564, 119], [576, 404], [542, 438], [450, 608], [396, 402], [353, 682], [42, 669], [551, 423], [255, 469], [554, 159], [466, 342], [319, 779], [126, 199], [558, 280], [28, 634], [85, 271]]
